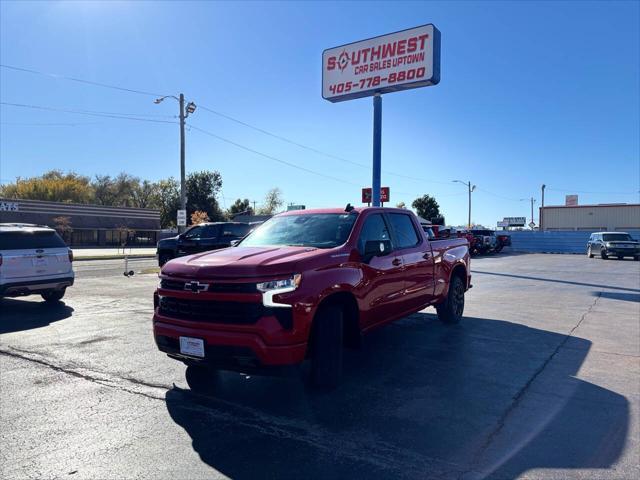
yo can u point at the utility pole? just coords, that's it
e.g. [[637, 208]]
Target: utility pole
[[471, 189], [183, 189], [254, 207], [183, 114], [532, 202], [542, 207]]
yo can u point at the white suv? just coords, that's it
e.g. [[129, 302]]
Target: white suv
[[34, 260]]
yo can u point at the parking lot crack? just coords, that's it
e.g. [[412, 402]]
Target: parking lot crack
[[104, 381], [517, 398]]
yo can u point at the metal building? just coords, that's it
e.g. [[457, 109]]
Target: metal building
[[90, 225], [602, 217]]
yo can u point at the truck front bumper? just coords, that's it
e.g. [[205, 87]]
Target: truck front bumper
[[228, 350]]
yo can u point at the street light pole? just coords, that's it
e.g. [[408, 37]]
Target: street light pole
[[183, 114], [183, 190], [542, 207], [471, 189], [532, 202]]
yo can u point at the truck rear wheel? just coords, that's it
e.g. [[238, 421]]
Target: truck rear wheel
[[450, 311], [326, 361]]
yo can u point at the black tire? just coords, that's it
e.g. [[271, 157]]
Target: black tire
[[620, 257], [327, 347], [200, 378], [53, 296], [589, 254], [603, 254], [498, 249], [636, 258], [163, 258], [451, 310]]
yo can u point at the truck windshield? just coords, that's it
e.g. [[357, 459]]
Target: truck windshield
[[321, 230], [617, 237]]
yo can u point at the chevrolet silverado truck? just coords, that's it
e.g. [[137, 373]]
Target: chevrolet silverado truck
[[303, 286]]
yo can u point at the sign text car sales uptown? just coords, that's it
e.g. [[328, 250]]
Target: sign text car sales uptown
[[398, 61]]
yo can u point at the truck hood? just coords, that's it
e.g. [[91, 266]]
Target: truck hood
[[168, 242], [242, 262]]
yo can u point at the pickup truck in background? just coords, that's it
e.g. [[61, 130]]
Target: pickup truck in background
[[304, 285], [485, 240], [201, 238]]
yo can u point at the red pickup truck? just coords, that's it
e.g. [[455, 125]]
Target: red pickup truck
[[302, 286]]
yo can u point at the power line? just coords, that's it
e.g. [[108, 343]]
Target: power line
[[312, 149], [79, 80], [24, 124], [270, 157], [121, 116]]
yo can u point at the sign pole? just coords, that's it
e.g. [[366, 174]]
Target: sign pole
[[377, 149]]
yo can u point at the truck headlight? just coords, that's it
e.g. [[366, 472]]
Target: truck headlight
[[276, 287], [289, 284]]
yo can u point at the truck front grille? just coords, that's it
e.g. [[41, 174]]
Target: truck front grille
[[214, 287], [239, 313]]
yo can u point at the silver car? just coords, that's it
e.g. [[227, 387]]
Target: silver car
[[34, 260]]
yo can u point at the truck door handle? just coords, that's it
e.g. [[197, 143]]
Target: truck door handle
[[426, 256], [396, 261]]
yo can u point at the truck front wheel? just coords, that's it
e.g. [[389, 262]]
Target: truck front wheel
[[450, 311], [326, 360], [164, 257]]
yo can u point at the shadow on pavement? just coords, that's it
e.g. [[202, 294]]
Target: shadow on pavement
[[628, 297], [419, 400], [17, 315], [553, 280]]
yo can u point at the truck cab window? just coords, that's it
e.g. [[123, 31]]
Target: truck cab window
[[375, 229], [404, 229]]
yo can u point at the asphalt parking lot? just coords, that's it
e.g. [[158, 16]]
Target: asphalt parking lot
[[540, 380]]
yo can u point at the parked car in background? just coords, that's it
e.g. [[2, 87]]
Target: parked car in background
[[34, 260], [616, 244], [201, 238], [502, 240], [303, 285]]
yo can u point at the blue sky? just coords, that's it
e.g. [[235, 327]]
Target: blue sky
[[531, 93]]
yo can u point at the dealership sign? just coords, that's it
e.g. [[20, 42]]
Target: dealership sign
[[389, 63], [385, 194]]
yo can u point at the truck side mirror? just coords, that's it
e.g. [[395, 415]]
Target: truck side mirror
[[376, 248]]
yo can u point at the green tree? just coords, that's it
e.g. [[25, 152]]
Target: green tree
[[168, 201], [240, 206], [147, 195], [202, 190], [103, 190], [53, 186], [426, 207], [272, 202]]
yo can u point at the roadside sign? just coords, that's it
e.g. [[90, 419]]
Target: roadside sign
[[9, 206], [385, 194], [295, 207], [514, 222], [388, 63], [502, 223], [182, 218], [571, 200], [531, 225]]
